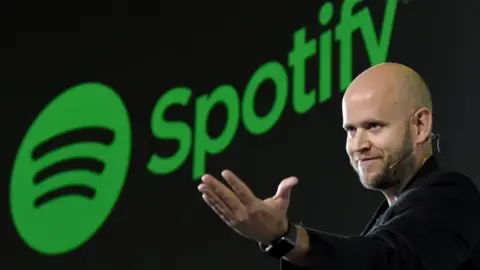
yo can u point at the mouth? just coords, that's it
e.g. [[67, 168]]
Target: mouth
[[366, 160]]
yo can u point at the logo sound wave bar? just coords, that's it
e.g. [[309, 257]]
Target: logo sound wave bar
[[93, 135]]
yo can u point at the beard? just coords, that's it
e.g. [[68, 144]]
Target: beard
[[394, 169]]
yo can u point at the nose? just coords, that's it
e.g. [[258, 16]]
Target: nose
[[359, 142]]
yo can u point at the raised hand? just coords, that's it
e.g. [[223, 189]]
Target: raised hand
[[260, 220]]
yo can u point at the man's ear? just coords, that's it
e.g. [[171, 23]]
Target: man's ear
[[422, 120]]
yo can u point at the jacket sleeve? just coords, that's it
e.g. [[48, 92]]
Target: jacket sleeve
[[434, 231]]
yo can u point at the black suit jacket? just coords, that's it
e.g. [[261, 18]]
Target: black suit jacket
[[433, 225]]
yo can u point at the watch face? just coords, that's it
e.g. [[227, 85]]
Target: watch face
[[281, 248], [284, 245]]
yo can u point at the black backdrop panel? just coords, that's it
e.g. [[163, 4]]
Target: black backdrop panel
[[201, 87]]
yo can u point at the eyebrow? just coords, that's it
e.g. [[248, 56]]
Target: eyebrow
[[365, 122]]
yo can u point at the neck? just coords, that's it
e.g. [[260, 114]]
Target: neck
[[392, 193]]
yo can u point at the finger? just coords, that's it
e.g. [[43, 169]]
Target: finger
[[223, 192], [219, 213], [217, 202], [285, 188], [243, 192]]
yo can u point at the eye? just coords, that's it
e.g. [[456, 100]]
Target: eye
[[350, 130], [374, 126]]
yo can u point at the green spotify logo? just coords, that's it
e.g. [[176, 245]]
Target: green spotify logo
[[70, 168]]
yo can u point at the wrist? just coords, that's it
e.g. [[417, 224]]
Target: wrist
[[283, 244], [284, 227]]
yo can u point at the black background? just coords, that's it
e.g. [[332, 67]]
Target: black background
[[142, 49]]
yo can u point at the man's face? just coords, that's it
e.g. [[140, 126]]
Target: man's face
[[378, 135]]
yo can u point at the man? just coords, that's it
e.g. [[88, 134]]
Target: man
[[430, 218]]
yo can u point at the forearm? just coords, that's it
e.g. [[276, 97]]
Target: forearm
[[320, 250]]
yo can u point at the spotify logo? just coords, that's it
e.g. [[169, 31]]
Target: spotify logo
[[70, 168]]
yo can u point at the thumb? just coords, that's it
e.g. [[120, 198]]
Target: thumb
[[285, 187]]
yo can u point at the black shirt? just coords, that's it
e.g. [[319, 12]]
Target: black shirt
[[433, 225]]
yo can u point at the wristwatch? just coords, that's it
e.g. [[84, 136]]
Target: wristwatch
[[283, 245]]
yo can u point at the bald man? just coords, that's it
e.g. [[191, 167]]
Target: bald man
[[430, 218]]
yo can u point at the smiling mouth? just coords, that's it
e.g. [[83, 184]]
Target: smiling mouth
[[364, 160]]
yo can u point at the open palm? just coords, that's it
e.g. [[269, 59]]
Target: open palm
[[260, 220]]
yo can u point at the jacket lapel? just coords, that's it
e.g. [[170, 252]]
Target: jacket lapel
[[380, 210]]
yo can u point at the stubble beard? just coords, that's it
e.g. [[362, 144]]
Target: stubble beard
[[395, 169]]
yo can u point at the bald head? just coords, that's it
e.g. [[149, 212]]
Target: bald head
[[387, 116], [394, 85]]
